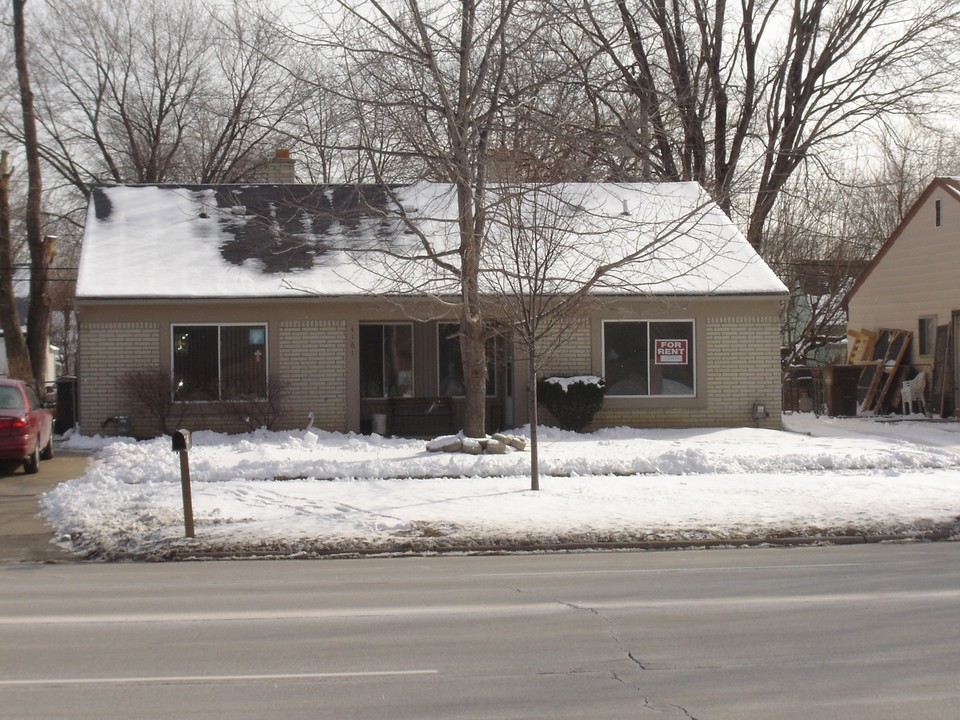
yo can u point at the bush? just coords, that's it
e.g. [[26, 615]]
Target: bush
[[257, 412], [572, 400], [152, 392]]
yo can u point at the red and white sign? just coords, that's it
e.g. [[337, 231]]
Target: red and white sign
[[670, 352]]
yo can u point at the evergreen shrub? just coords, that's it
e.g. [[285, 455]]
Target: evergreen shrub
[[573, 401]]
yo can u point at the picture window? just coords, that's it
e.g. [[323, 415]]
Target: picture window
[[219, 362], [649, 358]]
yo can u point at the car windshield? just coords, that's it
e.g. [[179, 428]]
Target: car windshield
[[10, 399]]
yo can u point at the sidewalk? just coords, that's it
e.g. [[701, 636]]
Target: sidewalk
[[24, 536]]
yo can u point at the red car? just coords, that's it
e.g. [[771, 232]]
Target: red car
[[26, 427]]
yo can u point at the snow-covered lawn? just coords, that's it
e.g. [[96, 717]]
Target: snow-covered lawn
[[308, 492]]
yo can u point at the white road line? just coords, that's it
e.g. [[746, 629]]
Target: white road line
[[489, 609], [537, 608], [194, 679], [664, 571]]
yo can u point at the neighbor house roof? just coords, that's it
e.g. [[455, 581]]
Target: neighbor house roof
[[242, 241], [951, 185]]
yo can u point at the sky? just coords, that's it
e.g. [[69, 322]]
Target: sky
[[304, 493]]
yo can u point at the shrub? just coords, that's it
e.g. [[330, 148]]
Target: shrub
[[256, 413], [572, 400], [152, 392]]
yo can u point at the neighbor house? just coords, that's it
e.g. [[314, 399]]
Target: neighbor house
[[298, 304], [21, 287], [911, 283]]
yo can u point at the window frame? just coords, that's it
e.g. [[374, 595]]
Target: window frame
[[383, 365], [264, 326], [648, 322]]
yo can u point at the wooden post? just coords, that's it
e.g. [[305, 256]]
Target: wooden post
[[185, 486], [181, 444]]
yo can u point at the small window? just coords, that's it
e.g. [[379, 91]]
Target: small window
[[926, 337], [938, 213], [219, 362], [643, 358], [386, 360], [450, 362]]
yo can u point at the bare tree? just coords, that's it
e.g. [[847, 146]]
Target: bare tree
[[434, 74], [523, 266], [747, 93], [152, 392], [152, 91], [18, 356], [40, 246], [263, 412], [552, 246], [248, 105], [826, 228], [816, 244]]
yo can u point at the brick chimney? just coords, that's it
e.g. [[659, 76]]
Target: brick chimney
[[281, 169]]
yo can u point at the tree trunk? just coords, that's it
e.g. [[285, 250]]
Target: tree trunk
[[473, 349], [532, 412], [41, 249], [18, 358]]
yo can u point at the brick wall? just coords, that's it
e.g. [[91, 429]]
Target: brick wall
[[313, 368], [573, 354], [742, 367], [107, 351]]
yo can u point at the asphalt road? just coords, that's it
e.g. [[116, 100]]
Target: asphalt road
[[24, 536], [868, 631]]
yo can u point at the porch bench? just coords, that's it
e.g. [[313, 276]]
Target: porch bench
[[420, 415]]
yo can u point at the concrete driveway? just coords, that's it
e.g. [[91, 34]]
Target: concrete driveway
[[24, 536]]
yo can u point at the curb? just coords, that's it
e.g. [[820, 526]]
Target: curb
[[411, 550]]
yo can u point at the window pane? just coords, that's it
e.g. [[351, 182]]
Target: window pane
[[10, 399], [398, 360], [212, 362], [386, 360], [371, 361], [195, 363], [625, 357], [655, 358], [671, 366], [243, 362], [450, 362]]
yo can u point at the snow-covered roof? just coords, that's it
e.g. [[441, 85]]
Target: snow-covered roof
[[242, 241]]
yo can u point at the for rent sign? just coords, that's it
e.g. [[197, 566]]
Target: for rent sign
[[670, 352]]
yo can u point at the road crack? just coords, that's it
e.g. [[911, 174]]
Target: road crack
[[626, 652]]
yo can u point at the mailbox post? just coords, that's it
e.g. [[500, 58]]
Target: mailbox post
[[181, 444]]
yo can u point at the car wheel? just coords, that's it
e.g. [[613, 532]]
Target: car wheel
[[47, 452], [32, 464]]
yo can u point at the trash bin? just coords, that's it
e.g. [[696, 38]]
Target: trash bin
[[67, 405], [378, 422]]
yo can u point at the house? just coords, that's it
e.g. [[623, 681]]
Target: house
[[21, 285], [815, 319], [320, 298], [911, 283]]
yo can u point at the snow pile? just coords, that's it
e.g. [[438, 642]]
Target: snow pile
[[307, 492], [566, 382]]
